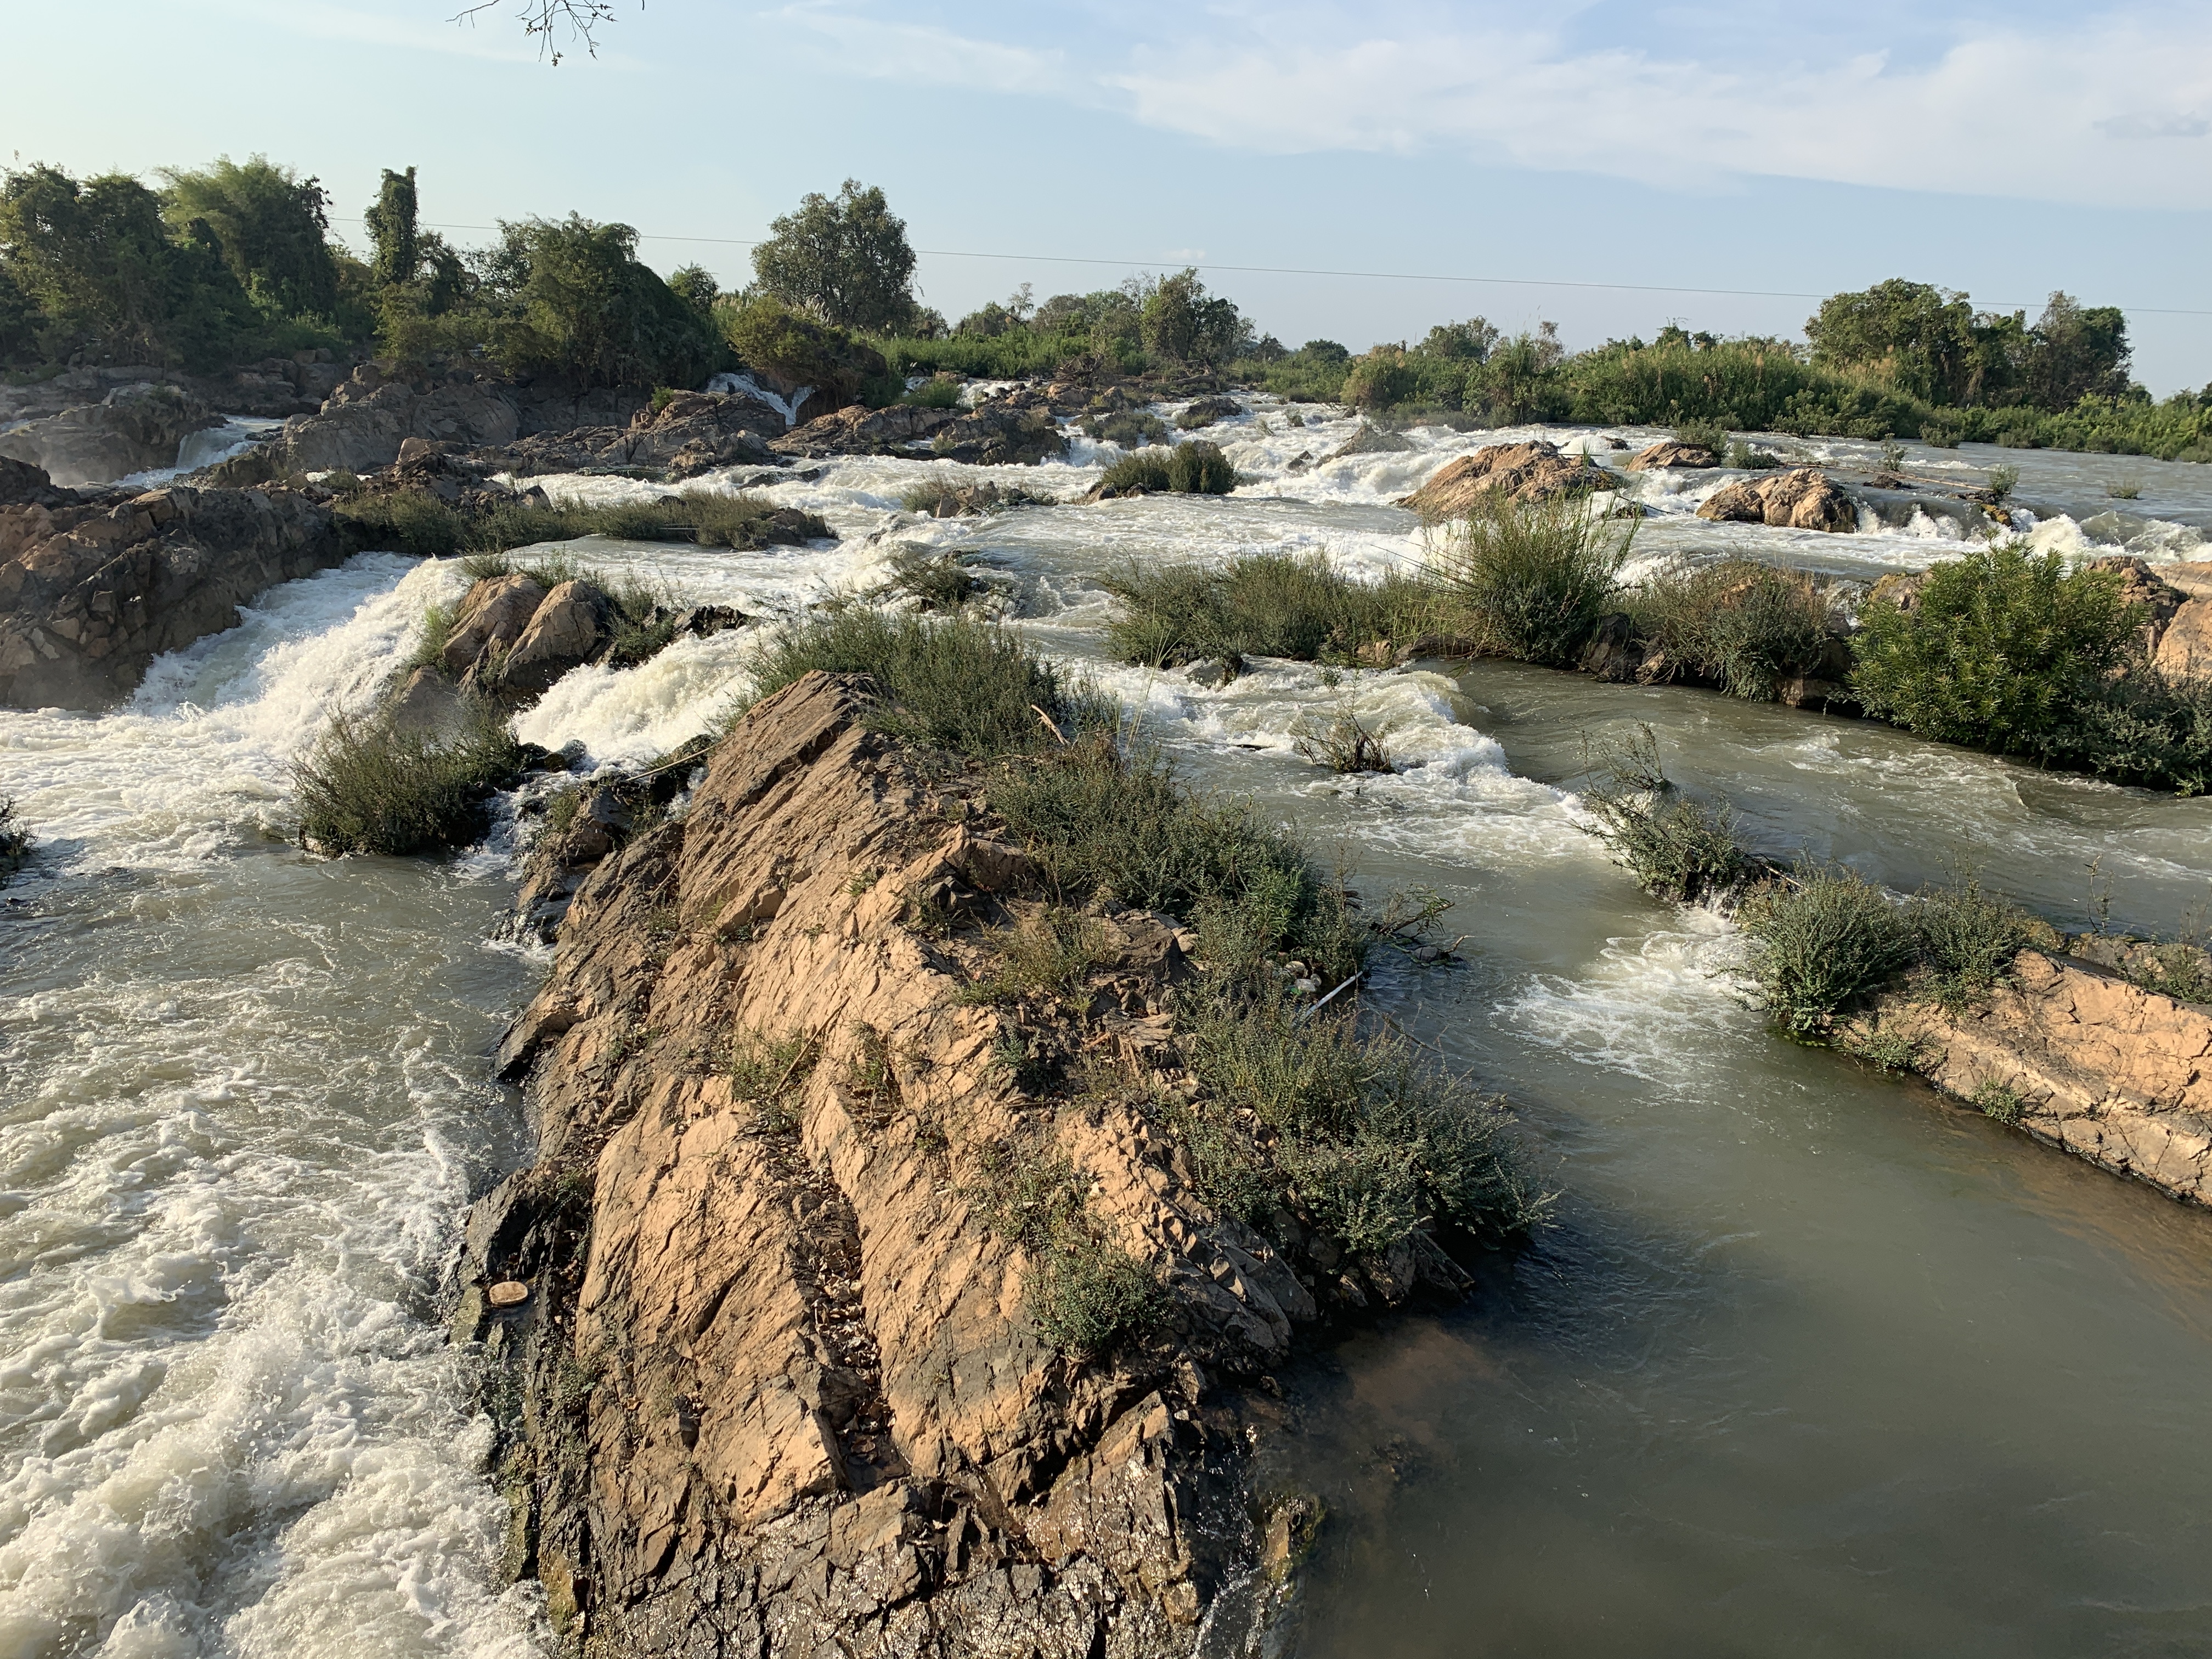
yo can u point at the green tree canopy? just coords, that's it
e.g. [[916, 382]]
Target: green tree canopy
[[392, 230], [569, 298], [1923, 337], [2075, 351], [844, 259], [273, 228]]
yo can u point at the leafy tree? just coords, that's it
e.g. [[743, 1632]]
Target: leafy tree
[[98, 261], [1181, 321], [846, 260], [273, 228], [695, 285], [569, 298], [20, 317], [392, 230], [1922, 337], [1470, 341], [2075, 352], [769, 335]]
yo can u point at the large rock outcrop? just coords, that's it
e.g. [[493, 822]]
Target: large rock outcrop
[[92, 589], [2079, 1055], [1671, 452], [772, 1385], [134, 429], [1531, 471], [1799, 499]]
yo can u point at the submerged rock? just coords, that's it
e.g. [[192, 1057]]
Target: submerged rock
[[1371, 439]]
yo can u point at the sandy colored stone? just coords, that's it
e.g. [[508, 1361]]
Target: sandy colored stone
[[1669, 452], [2110, 1071], [1801, 498], [1531, 471], [2185, 646], [492, 614]]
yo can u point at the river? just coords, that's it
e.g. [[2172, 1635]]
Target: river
[[1811, 1362]]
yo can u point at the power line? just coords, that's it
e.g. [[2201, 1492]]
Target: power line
[[1367, 275]]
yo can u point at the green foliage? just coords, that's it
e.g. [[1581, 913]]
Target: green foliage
[[952, 682], [1196, 468], [1819, 941], [1676, 849], [1382, 378], [1085, 1294], [1532, 577], [936, 392], [1998, 651], [569, 298], [695, 285], [1045, 957], [392, 231], [1967, 940], [1130, 428], [1263, 605], [2000, 1100], [1342, 743], [1926, 342], [1743, 625], [844, 260], [273, 228], [410, 521], [418, 523], [366, 788], [2177, 969], [2143, 728], [1315, 372], [15, 840], [937, 581], [767, 334], [99, 263], [766, 1073]]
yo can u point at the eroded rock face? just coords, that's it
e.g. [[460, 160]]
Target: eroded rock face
[[1799, 499], [1531, 471], [2185, 646], [780, 1392], [134, 429], [2109, 1071], [92, 589]]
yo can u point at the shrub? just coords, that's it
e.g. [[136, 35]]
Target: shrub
[[1270, 604], [1999, 650], [1197, 468], [1967, 938], [1703, 435], [1742, 624], [952, 683], [1084, 1294], [1677, 849], [1041, 960], [1941, 432], [939, 391], [1819, 941], [15, 840], [1748, 457], [1343, 744], [2002, 481], [2143, 728], [936, 581], [408, 521], [707, 517], [366, 788], [1534, 577]]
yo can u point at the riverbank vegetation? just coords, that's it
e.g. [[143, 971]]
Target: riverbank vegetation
[[1298, 1113], [15, 840], [369, 787]]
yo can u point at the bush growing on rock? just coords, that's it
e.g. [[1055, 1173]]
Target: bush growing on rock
[[1197, 468], [1533, 577], [1264, 604], [1744, 625], [1677, 848], [1998, 650], [366, 787], [1820, 942], [15, 840]]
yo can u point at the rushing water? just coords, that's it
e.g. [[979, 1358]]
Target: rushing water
[[1812, 1361]]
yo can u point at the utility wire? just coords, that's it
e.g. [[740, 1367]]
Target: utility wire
[[1304, 270]]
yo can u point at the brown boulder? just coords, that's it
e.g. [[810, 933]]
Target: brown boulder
[[1667, 453], [2184, 648], [492, 617], [858, 431], [1800, 498], [569, 627], [1530, 471]]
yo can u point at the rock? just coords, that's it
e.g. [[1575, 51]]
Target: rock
[[425, 701], [92, 591], [1668, 453], [999, 436], [568, 627], [2141, 587], [1531, 471], [701, 620], [2192, 581], [1302, 461], [858, 431], [1205, 411], [508, 1293], [812, 1400], [1212, 672], [1900, 588], [1611, 653], [134, 429], [1799, 499], [491, 617], [1371, 439], [2092, 1063], [2185, 648]]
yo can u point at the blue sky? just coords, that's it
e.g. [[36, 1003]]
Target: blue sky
[[2006, 150]]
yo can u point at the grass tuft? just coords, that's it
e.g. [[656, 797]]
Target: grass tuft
[[1744, 625], [366, 788], [1821, 941], [1532, 577]]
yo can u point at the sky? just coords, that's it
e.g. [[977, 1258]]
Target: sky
[[1610, 166]]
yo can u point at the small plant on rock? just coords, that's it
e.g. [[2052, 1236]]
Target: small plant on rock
[[1820, 940]]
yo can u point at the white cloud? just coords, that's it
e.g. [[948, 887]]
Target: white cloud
[[2112, 107]]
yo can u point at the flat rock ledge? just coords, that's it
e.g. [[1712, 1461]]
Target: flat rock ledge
[[773, 1390], [2081, 1057]]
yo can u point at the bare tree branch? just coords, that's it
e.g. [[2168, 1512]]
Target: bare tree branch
[[577, 18]]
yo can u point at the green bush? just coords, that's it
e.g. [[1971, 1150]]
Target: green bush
[[1129, 429], [1533, 577], [1819, 941], [1084, 1294], [1967, 937], [2143, 728], [1197, 468], [411, 521], [939, 391], [952, 682], [366, 788], [1677, 849], [1267, 605], [1998, 651], [1743, 625]]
